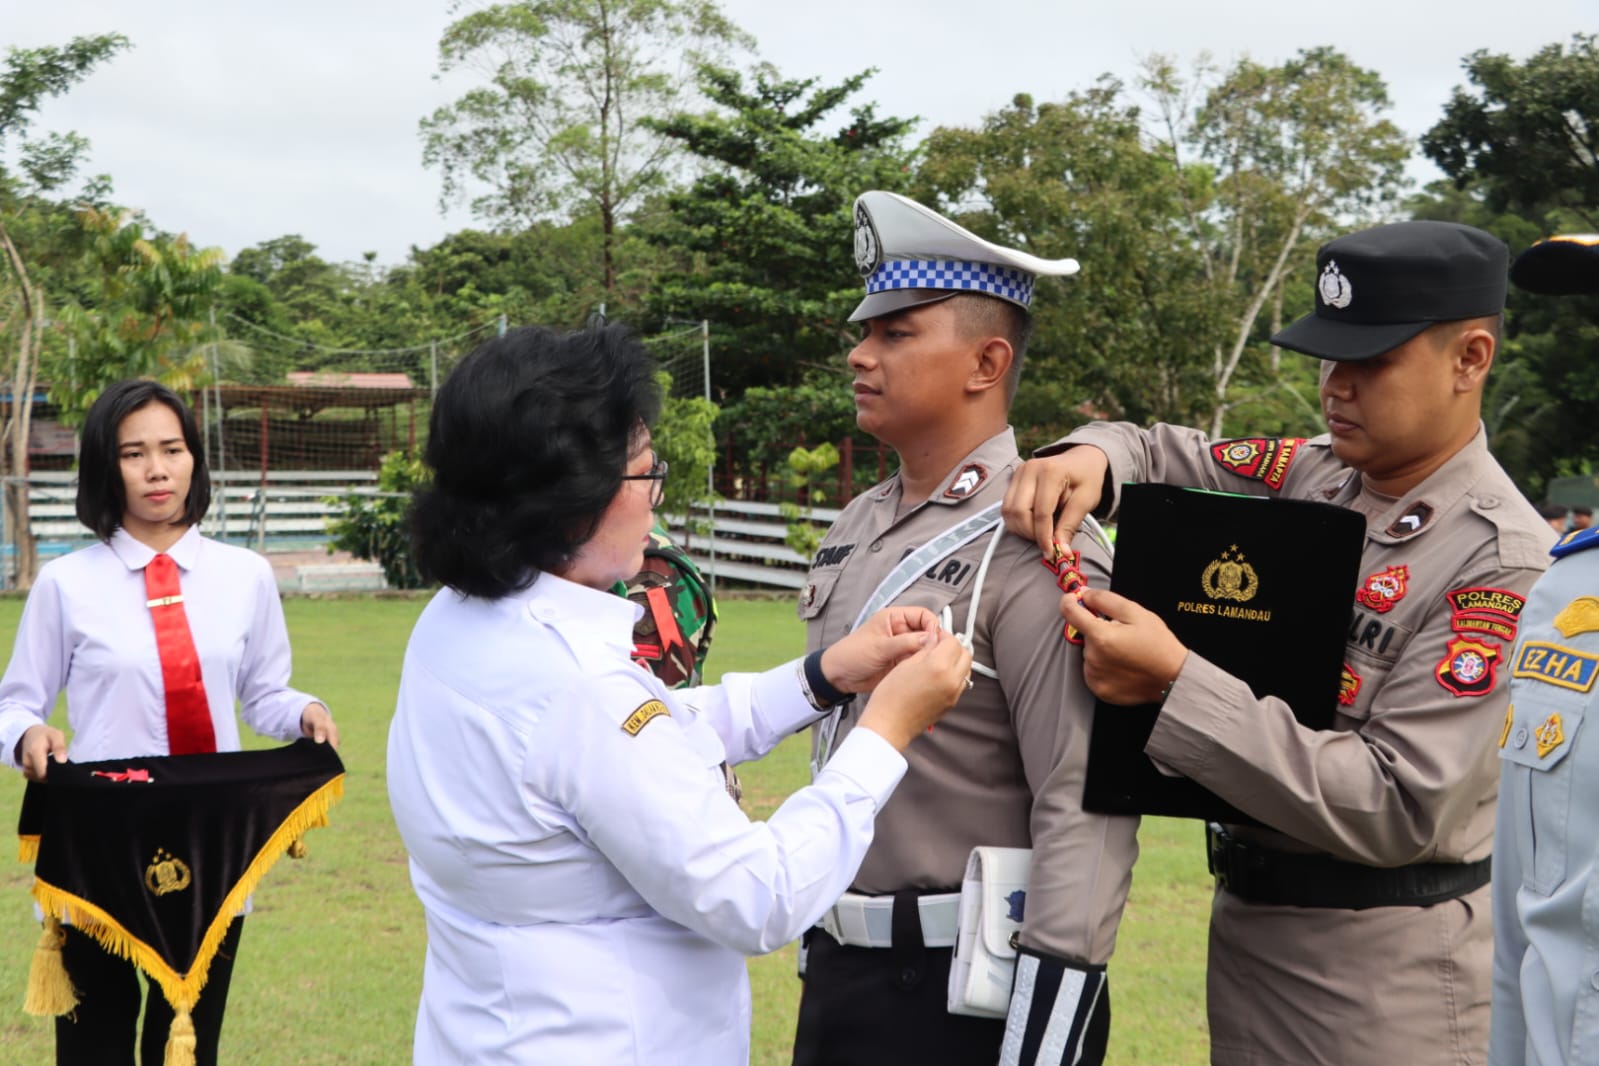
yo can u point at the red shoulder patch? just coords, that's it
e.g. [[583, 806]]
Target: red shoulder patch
[[1490, 612], [1257, 458], [1467, 668], [1382, 591], [1348, 686]]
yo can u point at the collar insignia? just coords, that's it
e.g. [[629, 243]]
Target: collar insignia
[[968, 481], [1412, 521]]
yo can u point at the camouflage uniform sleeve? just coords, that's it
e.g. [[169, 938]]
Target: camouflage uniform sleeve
[[1082, 863], [1391, 791]]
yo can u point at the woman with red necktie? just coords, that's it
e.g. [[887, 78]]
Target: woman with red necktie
[[153, 632]]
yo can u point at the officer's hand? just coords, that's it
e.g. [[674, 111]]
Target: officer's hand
[[1048, 499], [918, 691], [858, 662], [1129, 654], [317, 723], [39, 744]]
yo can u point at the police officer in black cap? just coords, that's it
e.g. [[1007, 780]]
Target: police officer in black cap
[[1546, 846], [1353, 931]]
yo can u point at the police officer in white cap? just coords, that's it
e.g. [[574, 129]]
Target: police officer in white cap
[[944, 326], [1546, 843]]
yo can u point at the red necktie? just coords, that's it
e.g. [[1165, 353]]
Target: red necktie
[[188, 712]]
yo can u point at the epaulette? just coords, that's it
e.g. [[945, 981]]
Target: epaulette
[[1575, 541]]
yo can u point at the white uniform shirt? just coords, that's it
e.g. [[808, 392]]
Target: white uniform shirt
[[590, 887], [86, 627]]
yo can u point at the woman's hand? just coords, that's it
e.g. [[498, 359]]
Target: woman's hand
[[317, 723], [918, 691], [859, 661], [38, 745]]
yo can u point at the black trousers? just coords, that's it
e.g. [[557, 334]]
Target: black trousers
[[103, 1030]]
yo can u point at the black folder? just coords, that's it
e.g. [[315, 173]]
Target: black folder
[[1261, 587]]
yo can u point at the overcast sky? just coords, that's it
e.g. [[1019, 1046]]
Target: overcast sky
[[240, 122]]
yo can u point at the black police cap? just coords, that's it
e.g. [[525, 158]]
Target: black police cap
[[1567, 265], [1378, 288]]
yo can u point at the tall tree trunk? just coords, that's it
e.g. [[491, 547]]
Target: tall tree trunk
[[18, 527]]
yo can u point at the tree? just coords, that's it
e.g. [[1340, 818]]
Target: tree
[[1293, 153], [1528, 140], [29, 77], [558, 129], [769, 222]]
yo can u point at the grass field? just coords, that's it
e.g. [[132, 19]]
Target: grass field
[[330, 966]]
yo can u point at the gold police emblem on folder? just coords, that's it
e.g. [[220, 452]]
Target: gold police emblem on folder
[[1230, 577]]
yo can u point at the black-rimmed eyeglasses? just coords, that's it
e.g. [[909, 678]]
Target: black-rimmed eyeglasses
[[657, 474]]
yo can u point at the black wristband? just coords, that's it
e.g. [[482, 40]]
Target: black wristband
[[824, 691]]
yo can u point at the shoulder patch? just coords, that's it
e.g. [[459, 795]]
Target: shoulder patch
[[646, 713], [1412, 521], [1348, 686], [1258, 458], [968, 481], [1575, 541], [1467, 668], [1581, 615], [1489, 611]]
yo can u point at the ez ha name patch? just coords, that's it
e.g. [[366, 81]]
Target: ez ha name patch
[[1556, 665]]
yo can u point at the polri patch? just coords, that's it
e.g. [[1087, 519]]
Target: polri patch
[[1556, 665], [1257, 458], [1467, 668], [1490, 612], [646, 713], [1382, 591]]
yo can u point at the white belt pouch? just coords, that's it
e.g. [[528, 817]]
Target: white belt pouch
[[993, 892]]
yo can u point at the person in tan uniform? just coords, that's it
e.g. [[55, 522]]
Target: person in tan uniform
[[1356, 929], [944, 327]]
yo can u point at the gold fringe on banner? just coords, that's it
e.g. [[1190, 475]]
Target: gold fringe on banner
[[28, 849], [182, 991]]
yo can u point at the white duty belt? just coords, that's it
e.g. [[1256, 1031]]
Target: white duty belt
[[868, 921], [898, 580]]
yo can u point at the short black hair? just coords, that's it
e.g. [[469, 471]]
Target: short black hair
[[989, 316], [1583, 510], [528, 441], [1552, 510], [102, 500]]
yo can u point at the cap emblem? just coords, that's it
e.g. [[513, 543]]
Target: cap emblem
[[1333, 286], [868, 249]]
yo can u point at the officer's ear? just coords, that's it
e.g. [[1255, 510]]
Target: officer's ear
[[993, 363], [1473, 354]]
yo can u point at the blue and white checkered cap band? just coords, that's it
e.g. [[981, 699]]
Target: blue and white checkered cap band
[[1008, 283]]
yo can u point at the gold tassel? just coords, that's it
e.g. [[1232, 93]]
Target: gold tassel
[[297, 849], [50, 990], [180, 1040]]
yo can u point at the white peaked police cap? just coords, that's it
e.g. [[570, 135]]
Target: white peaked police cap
[[910, 255]]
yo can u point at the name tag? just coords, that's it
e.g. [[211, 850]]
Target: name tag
[[1556, 665]]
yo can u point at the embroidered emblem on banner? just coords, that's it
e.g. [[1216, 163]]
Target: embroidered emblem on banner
[[1348, 686], [1383, 590], [646, 713], [1554, 664], [1488, 611], [1581, 615], [868, 249], [1510, 719], [1412, 521], [968, 481], [1230, 577], [1333, 287], [1550, 735], [1467, 668], [166, 874]]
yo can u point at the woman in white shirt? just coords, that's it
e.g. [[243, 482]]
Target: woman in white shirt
[[589, 885], [88, 627]]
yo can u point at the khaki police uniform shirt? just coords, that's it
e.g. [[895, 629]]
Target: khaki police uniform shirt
[[1005, 766]]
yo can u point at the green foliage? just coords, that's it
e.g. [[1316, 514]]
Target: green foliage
[[768, 223], [556, 129], [375, 527], [683, 437], [803, 467]]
